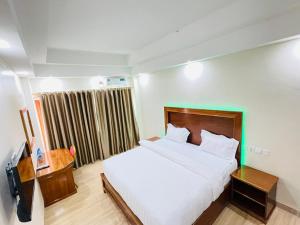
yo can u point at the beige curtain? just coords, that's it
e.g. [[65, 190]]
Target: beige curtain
[[99, 123]]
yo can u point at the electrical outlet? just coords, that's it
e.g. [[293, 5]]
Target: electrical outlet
[[258, 150]]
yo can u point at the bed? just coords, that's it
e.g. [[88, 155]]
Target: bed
[[163, 182]]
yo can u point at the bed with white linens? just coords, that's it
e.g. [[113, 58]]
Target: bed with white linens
[[171, 182], [168, 183]]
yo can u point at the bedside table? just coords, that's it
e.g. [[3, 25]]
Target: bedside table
[[153, 138], [254, 191]]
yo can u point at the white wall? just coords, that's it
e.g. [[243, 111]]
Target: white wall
[[265, 82], [27, 93], [11, 138], [60, 84]]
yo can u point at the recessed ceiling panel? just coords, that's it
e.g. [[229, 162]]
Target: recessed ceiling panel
[[120, 26]]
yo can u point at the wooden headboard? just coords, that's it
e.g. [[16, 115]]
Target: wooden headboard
[[227, 123]]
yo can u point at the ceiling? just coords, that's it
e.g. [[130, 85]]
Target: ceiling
[[120, 26], [13, 58], [114, 37]]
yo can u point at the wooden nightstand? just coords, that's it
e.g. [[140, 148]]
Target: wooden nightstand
[[153, 139], [254, 191]]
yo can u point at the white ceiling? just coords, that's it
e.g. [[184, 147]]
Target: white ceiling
[[120, 25], [114, 37], [14, 58]]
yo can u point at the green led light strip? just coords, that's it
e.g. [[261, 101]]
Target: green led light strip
[[223, 108]]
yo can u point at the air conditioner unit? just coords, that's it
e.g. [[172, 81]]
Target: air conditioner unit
[[116, 81]]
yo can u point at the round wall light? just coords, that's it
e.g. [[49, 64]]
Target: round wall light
[[193, 70], [4, 44], [144, 79]]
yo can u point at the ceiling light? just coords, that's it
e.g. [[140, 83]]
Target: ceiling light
[[193, 70], [4, 44], [7, 73]]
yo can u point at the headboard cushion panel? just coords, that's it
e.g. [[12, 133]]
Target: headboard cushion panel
[[227, 123]]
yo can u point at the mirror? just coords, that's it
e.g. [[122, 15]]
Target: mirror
[[28, 129]]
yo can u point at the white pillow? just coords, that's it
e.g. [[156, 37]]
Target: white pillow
[[177, 134], [218, 145]]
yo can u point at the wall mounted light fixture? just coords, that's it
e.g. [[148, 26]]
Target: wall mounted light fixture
[[193, 70]]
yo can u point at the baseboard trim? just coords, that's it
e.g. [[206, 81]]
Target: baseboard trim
[[289, 209]]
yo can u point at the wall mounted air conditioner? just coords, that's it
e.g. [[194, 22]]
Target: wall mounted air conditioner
[[116, 81]]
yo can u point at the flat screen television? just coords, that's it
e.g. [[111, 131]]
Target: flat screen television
[[21, 176]]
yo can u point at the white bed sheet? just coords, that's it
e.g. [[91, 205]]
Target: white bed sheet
[[165, 182], [225, 167]]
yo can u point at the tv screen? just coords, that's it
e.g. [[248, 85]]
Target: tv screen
[[21, 176]]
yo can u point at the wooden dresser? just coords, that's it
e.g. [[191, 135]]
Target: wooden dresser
[[27, 177], [57, 181], [254, 191]]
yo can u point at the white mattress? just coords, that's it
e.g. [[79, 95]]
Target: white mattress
[[165, 183]]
